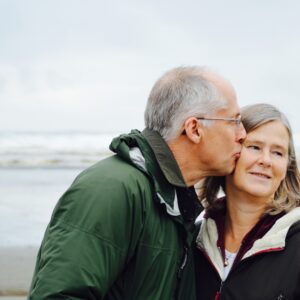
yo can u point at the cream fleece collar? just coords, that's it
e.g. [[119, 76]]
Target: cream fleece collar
[[273, 240]]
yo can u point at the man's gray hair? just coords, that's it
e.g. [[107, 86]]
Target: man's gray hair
[[179, 94]]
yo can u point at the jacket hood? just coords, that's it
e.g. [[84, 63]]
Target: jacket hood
[[122, 144]]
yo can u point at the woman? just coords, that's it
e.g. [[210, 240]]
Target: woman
[[248, 246]]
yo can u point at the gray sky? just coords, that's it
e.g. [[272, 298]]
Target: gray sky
[[89, 65]]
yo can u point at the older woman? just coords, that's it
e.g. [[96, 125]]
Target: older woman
[[248, 247]]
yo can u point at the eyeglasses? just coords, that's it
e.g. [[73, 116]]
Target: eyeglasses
[[237, 121]]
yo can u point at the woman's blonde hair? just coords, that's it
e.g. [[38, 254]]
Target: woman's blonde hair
[[287, 195]]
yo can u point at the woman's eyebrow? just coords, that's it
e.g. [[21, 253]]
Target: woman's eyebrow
[[277, 146], [255, 141], [260, 142]]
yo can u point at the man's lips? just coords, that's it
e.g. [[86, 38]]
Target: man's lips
[[261, 175], [237, 154]]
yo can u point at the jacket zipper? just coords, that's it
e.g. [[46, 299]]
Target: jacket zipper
[[180, 271], [183, 262], [218, 294]]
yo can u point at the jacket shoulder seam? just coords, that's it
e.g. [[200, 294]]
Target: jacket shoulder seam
[[93, 234]]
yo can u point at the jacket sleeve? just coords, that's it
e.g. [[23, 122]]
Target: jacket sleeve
[[92, 235]]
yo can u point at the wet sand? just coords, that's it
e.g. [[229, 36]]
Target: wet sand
[[16, 270]]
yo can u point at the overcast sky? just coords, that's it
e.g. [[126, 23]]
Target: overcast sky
[[89, 65]]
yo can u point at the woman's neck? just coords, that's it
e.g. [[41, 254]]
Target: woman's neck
[[243, 212]]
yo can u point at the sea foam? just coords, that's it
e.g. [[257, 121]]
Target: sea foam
[[44, 149]]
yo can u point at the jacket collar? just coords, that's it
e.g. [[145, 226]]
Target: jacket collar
[[185, 197], [276, 237], [153, 156], [269, 234], [164, 157], [256, 233]]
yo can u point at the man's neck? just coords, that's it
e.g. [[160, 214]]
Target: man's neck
[[183, 153]]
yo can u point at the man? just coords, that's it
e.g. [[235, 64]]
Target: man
[[123, 230]]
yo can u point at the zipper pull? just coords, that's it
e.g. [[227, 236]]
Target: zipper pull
[[218, 294], [183, 262]]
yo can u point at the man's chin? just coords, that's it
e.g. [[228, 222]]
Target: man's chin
[[226, 170], [230, 170]]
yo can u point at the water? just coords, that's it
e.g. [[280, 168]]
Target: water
[[35, 170], [50, 149], [27, 198]]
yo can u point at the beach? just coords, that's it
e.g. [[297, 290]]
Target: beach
[[27, 199], [36, 168], [13, 297], [17, 264]]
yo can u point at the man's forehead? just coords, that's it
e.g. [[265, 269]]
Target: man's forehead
[[231, 109], [223, 85]]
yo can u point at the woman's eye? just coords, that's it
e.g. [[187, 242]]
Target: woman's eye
[[278, 153], [253, 147]]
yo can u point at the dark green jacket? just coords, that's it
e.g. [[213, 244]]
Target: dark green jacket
[[117, 232]]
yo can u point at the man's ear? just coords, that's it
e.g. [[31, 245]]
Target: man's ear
[[193, 130]]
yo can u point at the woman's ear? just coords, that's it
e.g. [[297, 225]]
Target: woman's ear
[[193, 130]]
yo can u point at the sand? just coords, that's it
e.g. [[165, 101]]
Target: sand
[[16, 270], [12, 298]]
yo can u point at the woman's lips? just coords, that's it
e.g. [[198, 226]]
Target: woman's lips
[[261, 175]]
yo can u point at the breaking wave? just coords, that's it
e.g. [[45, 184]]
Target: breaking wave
[[44, 149]]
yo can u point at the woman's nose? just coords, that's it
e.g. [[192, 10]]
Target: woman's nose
[[265, 158]]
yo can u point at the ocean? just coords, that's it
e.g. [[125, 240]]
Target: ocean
[[35, 169], [52, 149]]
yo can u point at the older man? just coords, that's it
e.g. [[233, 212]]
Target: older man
[[123, 230]]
